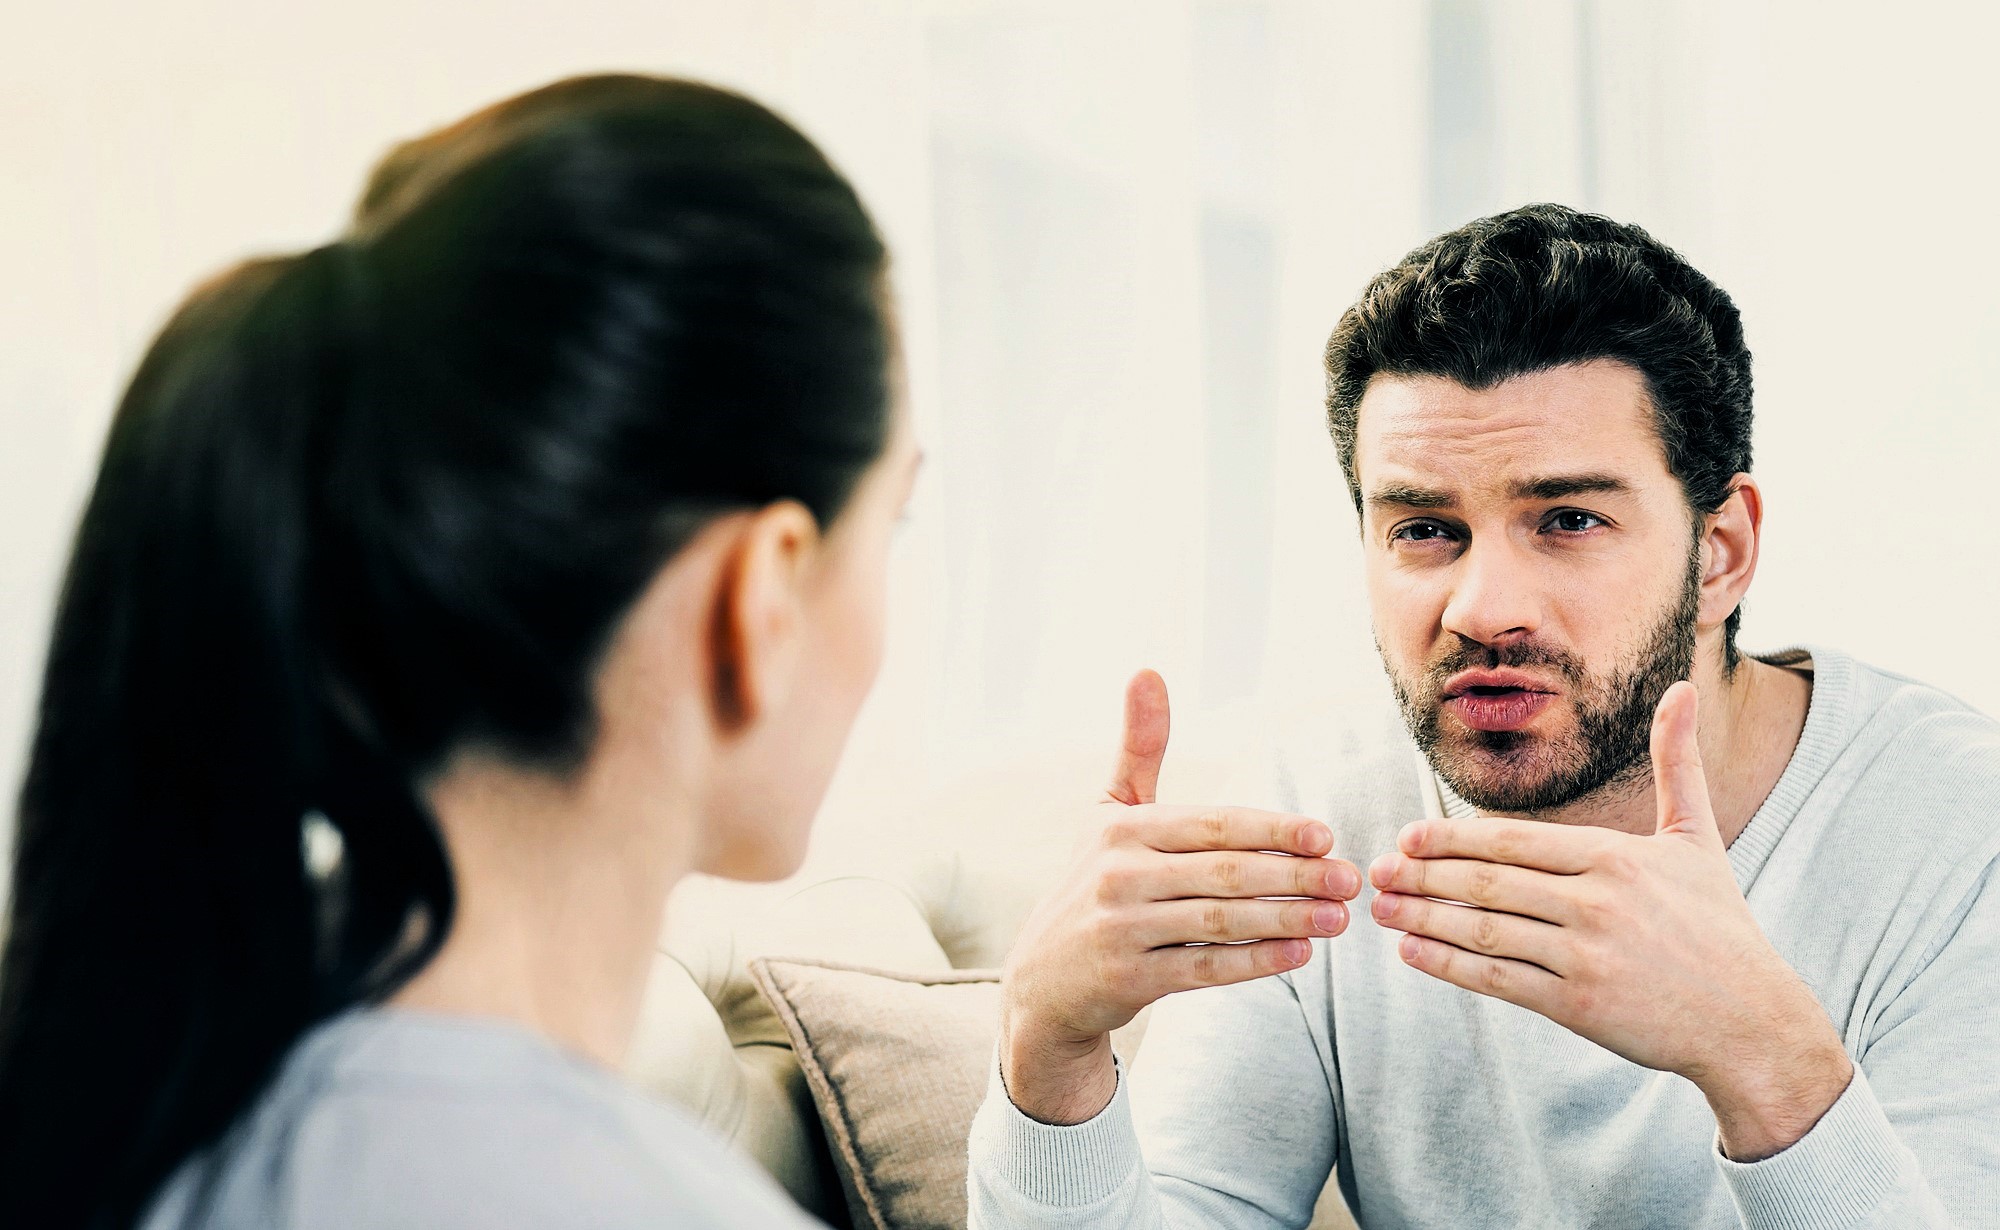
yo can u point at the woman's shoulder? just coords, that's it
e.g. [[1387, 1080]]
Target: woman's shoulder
[[394, 1118]]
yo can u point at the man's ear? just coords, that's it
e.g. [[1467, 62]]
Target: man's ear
[[1729, 540], [759, 611]]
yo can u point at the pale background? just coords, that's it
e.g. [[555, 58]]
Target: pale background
[[1122, 232]]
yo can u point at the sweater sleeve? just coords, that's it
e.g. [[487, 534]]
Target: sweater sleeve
[[1914, 1142], [1229, 1121]]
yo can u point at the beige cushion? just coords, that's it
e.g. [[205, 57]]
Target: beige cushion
[[897, 1066]]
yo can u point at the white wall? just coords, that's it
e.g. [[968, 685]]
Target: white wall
[[1122, 231]]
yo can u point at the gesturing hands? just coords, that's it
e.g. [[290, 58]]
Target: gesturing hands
[[1167, 899], [1642, 944]]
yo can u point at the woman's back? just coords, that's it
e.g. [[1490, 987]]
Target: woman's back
[[392, 1117]]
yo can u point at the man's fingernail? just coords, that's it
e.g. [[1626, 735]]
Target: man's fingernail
[[1330, 918], [1343, 881], [1383, 870], [1383, 906], [1316, 836]]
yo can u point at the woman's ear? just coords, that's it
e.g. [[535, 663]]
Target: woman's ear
[[759, 612], [1730, 536]]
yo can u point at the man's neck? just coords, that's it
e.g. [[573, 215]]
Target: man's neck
[[1751, 720]]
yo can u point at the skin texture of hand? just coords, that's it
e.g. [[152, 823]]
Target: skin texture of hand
[[1165, 899], [1642, 944]]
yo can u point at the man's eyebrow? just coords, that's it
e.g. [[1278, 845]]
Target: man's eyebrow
[[1562, 486], [1403, 495]]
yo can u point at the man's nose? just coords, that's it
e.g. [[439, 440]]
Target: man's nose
[[1495, 597]]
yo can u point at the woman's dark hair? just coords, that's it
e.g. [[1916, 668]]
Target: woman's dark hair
[[1541, 286], [361, 508]]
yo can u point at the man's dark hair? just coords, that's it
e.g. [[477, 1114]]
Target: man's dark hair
[[1541, 286]]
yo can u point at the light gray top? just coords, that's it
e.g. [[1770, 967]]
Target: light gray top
[[390, 1118], [1871, 868]]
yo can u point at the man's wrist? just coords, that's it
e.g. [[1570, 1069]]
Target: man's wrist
[[1059, 1081], [1766, 1103]]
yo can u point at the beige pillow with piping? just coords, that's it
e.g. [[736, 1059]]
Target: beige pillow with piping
[[897, 1066]]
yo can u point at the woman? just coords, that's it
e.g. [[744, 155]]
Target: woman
[[446, 594]]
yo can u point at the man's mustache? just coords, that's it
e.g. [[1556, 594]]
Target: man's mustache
[[1490, 657]]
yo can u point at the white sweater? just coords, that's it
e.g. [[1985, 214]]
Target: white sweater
[[1871, 868]]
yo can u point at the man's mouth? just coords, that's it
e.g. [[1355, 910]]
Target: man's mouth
[[1496, 700], [1496, 682]]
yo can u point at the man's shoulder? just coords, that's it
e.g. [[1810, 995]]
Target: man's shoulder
[[1877, 689], [1916, 732], [1895, 839], [1908, 775]]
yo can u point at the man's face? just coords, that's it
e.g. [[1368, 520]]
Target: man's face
[[1531, 572]]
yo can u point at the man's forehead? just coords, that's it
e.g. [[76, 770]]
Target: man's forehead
[[1591, 418]]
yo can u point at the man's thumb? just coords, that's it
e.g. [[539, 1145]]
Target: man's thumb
[[1679, 784], [1137, 777]]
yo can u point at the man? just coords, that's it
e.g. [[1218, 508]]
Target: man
[[1639, 952]]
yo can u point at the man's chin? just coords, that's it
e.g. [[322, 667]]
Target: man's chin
[[1505, 771]]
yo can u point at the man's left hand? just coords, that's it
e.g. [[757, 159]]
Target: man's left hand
[[1642, 944]]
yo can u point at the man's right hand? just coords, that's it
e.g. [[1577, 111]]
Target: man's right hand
[[1167, 899]]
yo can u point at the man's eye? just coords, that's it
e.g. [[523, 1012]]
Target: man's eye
[[1575, 521], [1418, 531]]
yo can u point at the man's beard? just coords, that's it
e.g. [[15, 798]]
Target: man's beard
[[1513, 771]]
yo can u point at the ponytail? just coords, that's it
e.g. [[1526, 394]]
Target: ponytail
[[166, 944]]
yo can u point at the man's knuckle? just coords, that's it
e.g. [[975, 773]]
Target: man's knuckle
[[1100, 925], [1215, 921], [1419, 873], [1619, 863], [1486, 933], [1483, 883], [1495, 976], [1208, 965], [1228, 875], [1213, 827], [1596, 910]]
